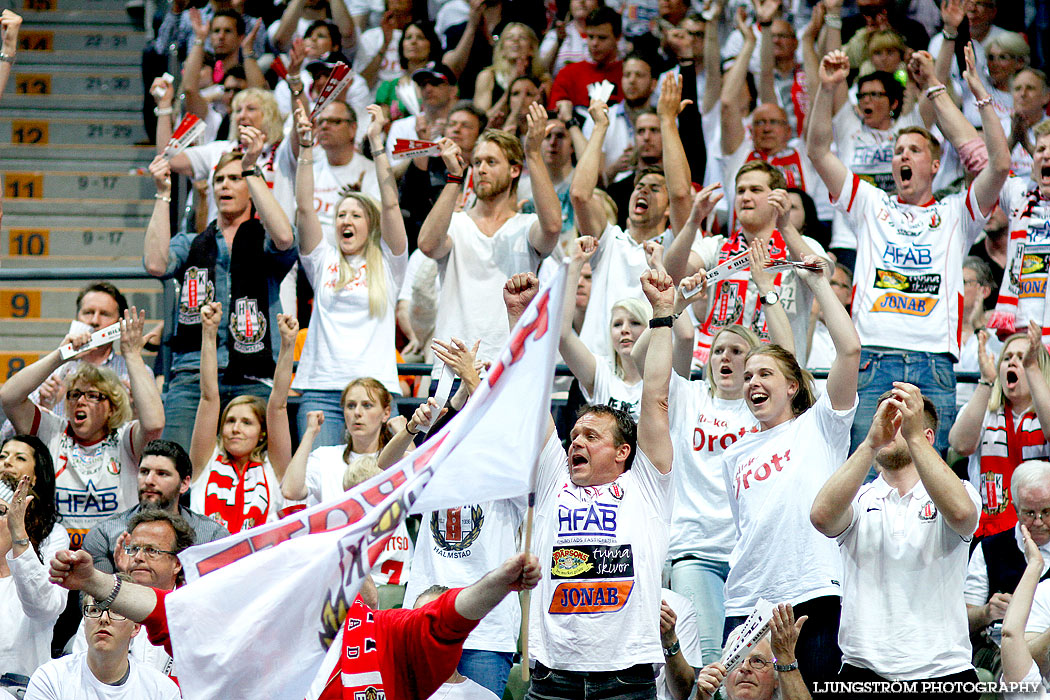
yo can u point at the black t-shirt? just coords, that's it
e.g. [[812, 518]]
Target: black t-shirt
[[979, 251]]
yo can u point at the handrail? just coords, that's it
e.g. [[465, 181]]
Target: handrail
[[21, 274]]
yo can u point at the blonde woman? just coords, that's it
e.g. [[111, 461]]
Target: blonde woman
[[1005, 422], [355, 284], [513, 56]]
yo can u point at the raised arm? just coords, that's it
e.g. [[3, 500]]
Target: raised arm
[[712, 62], [253, 74], [776, 317], [272, 215], [965, 435], [370, 72], [943, 486], [518, 293], [676, 165], [1017, 659], [734, 84], [75, 571], [157, 244], [796, 244], [543, 235], [765, 11], [456, 58], [676, 259], [191, 71], [952, 15], [578, 358], [293, 483], [434, 240], [519, 573], [206, 424], [990, 180], [842, 377], [9, 24], [14, 393], [391, 223], [279, 437], [589, 220], [144, 392], [1036, 382], [282, 39], [833, 70], [310, 234], [832, 509], [654, 430]]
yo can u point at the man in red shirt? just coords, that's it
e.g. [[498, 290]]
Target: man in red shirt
[[414, 651], [603, 36]]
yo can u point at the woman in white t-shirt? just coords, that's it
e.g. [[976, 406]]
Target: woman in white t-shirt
[[240, 457], [29, 537], [355, 285], [613, 381], [773, 475]]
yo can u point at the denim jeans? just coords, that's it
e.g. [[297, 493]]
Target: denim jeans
[[933, 373], [703, 582], [817, 649], [333, 431], [183, 393], [634, 683], [487, 668]]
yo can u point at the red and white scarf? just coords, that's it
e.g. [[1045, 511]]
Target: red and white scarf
[[237, 502]]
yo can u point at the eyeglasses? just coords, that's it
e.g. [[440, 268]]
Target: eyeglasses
[[94, 612], [757, 663], [332, 121], [872, 95], [149, 552], [1001, 57], [92, 396], [769, 122], [1030, 515]]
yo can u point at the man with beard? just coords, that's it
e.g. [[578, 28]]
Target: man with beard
[[164, 475], [478, 249], [916, 516]]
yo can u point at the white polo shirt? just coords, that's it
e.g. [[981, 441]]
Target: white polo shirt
[[902, 591]]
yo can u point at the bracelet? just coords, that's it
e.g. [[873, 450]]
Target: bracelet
[[163, 198], [410, 432], [451, 179], [949, 36], [661, 322], [983, 103], [104, 605], [985, 382], [784, 668], [934, 90], [833, 21], [308, 161], [254, 171], [297, 93], [162, 111], [198, 42], [24, 542], [7, 58], [377, 150]]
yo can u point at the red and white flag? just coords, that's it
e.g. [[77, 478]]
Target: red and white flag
[[261, 608]]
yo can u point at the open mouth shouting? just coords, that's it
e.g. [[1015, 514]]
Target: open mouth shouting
[[906, 174], [641, 204], [757, 397]]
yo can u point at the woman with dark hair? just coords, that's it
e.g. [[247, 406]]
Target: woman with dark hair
[[419, 46], [29, 537], [773, 475], [804, 217]]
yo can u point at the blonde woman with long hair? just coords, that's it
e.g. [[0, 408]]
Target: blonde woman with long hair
[[355, 282], [514, 56]]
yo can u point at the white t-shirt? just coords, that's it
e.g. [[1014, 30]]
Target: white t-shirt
[[968, 363], [329, 181], [456, 547], [688, 633], [908, 284], [902, 591], [141, 650], [29, 606], [792, 161], [867, 152], [404, 128], [702, 427], [368, 46], [215, 494], [616, 269], [1033, 677], [1020, 159], [613, 391], [597, 607], [345, 341], [69, 678], [772, 477], [92, 482], [472, 276], [1024, 279], [464, 690], [1039, 617], [618, 137], [203, 160]]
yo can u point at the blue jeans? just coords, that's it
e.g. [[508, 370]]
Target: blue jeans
[[634, 683], [333, 431], [703, 582], [183, 393], [487, 668], [933, 373]]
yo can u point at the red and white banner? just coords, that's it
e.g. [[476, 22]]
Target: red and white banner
[[261, 608], [410, 148], [338, 79], [185, 134]]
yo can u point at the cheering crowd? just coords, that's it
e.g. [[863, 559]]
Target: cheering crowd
[[744, 194]]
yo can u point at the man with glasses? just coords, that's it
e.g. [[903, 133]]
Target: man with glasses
[[998, 562], [163, 476], [917, 516], [105, 669]]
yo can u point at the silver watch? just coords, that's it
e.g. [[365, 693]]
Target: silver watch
[[770, 298]]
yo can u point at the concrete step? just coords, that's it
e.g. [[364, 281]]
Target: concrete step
[[138, 211], [99, 82], [76, 13], [77, 104], [40, 60], [91, 244], [44, 6], [77, 185], [98, 129], [114, 157], [77, 37], [98, 223], [27, 308]]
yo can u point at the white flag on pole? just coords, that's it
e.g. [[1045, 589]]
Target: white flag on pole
[[260, 625]]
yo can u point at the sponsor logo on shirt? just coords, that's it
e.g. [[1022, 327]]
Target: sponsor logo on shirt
[[248, 326], [455, 529], [928, 512], [197, 290], [908, 257], [747, 472], [593, 562], [994, 496], [588, 598], [901, 304], [370, 693], [595, 519], [915, 284], [90, 501]]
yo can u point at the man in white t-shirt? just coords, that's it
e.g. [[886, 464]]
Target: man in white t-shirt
[[105, 671], [376, 59], [479, 249], [603, 512], [438, 91], [908, 288], [1031, 98], [916, 516]]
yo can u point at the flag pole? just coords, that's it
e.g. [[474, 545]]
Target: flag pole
[[526, 598]]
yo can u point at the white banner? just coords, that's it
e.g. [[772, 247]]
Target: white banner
[[260, 625]]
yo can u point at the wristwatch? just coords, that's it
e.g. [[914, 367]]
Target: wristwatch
[[770, 298], [255, 170], [675, 648], [784, 668]]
